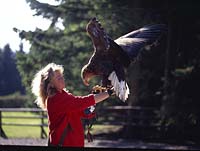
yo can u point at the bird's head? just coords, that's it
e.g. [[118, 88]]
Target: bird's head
[[99, 38], [87, 74]]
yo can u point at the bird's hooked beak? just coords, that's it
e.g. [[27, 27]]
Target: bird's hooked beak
[[86, 82], [86, 75]]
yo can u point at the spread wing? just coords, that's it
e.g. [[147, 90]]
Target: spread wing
[[134, 41]]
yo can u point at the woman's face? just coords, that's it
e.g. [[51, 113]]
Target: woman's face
[[58, 81]]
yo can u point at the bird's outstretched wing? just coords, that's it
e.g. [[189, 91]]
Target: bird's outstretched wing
[[134, 41]]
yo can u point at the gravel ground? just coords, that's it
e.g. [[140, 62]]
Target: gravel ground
[[103, 144]]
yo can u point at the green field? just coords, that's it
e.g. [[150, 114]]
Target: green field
[[35, 132], [22, 131]]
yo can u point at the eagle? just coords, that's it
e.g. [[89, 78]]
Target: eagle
[[111, 58]]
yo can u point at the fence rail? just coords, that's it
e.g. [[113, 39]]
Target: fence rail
[[128, 115], [111, 115], [40, 114]]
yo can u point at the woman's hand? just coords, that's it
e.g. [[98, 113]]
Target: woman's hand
[[100, 97], [101, 93]]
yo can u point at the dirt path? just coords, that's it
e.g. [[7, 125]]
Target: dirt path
[[103, 144]]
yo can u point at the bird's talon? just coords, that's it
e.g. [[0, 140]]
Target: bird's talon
[[98, 89]]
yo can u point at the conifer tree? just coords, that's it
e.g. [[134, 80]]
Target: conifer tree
[[10, 80]]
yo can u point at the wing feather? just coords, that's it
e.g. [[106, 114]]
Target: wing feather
[[134, 41]]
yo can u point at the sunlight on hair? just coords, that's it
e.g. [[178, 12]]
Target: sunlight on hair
[[38, 83]]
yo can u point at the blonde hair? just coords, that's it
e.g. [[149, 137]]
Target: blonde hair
[[41, 86]]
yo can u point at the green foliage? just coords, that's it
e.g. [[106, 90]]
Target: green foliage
[[70, 46], [14, 100]]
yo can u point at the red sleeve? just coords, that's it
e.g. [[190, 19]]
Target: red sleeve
[[66, 102], [79, 103]]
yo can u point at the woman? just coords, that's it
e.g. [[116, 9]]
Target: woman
[[64, 109]]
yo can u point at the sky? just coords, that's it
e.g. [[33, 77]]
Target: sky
[[17, 13]]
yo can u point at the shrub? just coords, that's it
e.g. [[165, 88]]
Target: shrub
[[15, 100]]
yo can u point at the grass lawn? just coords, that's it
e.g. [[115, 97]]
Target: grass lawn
[[22, 131], [35, 132]]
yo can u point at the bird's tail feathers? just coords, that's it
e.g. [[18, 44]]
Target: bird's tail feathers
[[120, 87]]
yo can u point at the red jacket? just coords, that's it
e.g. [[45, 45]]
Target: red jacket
[[64, 108]]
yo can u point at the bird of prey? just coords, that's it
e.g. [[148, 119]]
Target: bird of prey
[[111, 57]]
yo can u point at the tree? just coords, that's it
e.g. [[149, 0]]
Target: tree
[[10, 80], [180, 105]]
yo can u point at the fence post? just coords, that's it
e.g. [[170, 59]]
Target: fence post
[[2, 133], [43, 133]]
